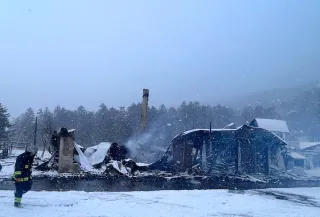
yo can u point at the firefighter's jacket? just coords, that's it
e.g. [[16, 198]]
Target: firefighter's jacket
[[22, 168]]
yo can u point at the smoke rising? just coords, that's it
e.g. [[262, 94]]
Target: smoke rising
[[150, 145]]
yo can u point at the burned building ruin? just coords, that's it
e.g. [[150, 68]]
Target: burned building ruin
[[245, 150]]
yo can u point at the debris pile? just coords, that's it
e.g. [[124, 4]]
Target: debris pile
[[243, 154], [112, 158]]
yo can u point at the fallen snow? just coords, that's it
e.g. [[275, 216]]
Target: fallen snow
[[309, 192], [160, 203], [297, 156], [142, 164], [304, 145], [273, 125], [207, 130]]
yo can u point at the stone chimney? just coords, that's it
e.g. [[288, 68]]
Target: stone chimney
[[65, 164], [145, 99]]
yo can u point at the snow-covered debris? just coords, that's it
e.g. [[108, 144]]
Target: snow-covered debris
[[142, 164], [97, 154], [117, 168], [230, 126], [118, 165], [83, 160], [272, 125]]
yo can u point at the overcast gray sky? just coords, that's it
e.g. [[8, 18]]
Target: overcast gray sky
[[78, 52]]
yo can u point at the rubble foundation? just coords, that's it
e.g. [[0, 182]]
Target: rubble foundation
[[92, 183]]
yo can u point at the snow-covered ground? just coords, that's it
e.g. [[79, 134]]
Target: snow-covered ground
[[314, 172], [165, 203]]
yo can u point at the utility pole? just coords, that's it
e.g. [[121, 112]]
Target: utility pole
[[35, 132]]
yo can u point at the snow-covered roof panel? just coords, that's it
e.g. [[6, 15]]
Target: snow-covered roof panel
[[97, 154], [304, 145], [208, 130], [297, 156], [203, 130], [273, 125]]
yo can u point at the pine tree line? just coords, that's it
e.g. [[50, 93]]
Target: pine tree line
[[121, 124]]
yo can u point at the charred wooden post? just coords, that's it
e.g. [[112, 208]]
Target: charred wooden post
[[187, 155], [268, 166], [182, 154], [177, 153], [65, 164], [145, 99], [254, 156], [238, 158], [204, 155]]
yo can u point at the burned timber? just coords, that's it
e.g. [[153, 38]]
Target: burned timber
[[242, 158]]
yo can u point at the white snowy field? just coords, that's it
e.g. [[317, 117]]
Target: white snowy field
[[165, 203]]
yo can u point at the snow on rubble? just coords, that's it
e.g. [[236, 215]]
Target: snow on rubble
[[196, 203], [97, 153]]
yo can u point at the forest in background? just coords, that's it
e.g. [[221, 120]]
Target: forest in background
[[123, 125]]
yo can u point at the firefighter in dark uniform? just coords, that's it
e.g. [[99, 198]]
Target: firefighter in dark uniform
[[22, 173]]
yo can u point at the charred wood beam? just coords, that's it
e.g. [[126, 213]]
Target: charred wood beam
[[196, 155], [254, 156], [268, 165], [238, 157], [214, 156]]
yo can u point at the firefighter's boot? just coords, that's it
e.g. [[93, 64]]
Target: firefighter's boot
[[17, 202]]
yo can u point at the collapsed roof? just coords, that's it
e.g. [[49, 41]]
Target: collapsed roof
[[249, 149], [239, 132]]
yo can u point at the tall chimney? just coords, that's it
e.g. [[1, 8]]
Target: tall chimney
[[66, 147], [145, 98]]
